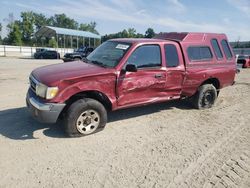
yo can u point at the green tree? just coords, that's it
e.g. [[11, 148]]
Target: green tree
[[40, 20], [27, 26], [123, 34], [91, 27], [149, 33], [131, 33], [14, 36], [61, 20], [139, 35], [53, 43]]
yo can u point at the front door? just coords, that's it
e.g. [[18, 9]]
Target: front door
[[148, 82]]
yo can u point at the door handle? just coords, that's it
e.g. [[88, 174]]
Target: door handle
[[158, 75]]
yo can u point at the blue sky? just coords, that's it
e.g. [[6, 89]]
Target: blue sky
[[223, 16]]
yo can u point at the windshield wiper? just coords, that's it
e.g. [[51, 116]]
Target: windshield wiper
[[86, 60], [97, 63]]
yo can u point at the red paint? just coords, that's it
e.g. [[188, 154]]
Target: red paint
[[247, 62], [126, 89], [244, 61]]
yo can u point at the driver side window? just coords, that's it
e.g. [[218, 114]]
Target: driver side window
[[146, 56]]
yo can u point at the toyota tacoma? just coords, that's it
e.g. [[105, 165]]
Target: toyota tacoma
[[123, 73]]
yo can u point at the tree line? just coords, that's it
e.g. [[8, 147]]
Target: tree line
[[130, 33], [22, 31]]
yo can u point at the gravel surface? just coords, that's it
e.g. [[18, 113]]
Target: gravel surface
[[160, 145]]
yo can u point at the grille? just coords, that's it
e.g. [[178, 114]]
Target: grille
[[67, 55], [33, 83]]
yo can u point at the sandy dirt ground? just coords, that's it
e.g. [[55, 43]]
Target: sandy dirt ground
[[161, 145]]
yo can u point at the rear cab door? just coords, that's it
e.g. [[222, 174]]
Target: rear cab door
[[175, 69]]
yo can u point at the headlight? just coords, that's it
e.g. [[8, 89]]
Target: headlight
[[51, 92], [41, 90], [46, 92]]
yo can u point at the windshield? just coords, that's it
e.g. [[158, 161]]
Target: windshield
[[109, 53], [80, 49]]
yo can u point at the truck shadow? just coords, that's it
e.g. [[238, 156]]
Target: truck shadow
[[149, 109], [17, 124]]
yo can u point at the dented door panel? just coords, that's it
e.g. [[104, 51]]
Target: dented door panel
[[175, 78], [141, 86]]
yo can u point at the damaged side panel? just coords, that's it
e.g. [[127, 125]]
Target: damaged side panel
[[103, 84], [141, 86]]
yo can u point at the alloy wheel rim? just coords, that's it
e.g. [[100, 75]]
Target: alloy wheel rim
[[208, 98], [88, 122]]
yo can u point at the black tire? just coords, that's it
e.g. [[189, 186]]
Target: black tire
[[205, 97], [77, 110], [218, 92]]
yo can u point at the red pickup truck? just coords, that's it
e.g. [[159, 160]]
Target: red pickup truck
[[124, 73]]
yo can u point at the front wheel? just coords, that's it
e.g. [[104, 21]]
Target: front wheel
[[205, 96], [85, 117]]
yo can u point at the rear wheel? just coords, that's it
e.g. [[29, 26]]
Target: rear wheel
[[85, 117], [205, 96]]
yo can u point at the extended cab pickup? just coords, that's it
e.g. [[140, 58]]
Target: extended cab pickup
[[124, 73]]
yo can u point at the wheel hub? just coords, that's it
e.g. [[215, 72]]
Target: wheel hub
[[88, 122], [208, 98]]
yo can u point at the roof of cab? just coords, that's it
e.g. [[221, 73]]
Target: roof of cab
[[188, 36], [137, 40], [173, 36]]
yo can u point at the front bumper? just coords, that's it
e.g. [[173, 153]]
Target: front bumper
[[67, 59], [43, 112]]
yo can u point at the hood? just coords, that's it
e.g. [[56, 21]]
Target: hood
[[74, 53], [51, 74]]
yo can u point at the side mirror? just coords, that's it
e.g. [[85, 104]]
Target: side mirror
[[131, 68]]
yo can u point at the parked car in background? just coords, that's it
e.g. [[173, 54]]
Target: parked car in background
[[42, 53], [78, 54], [40, 49], [123, 73], [243, 61]]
